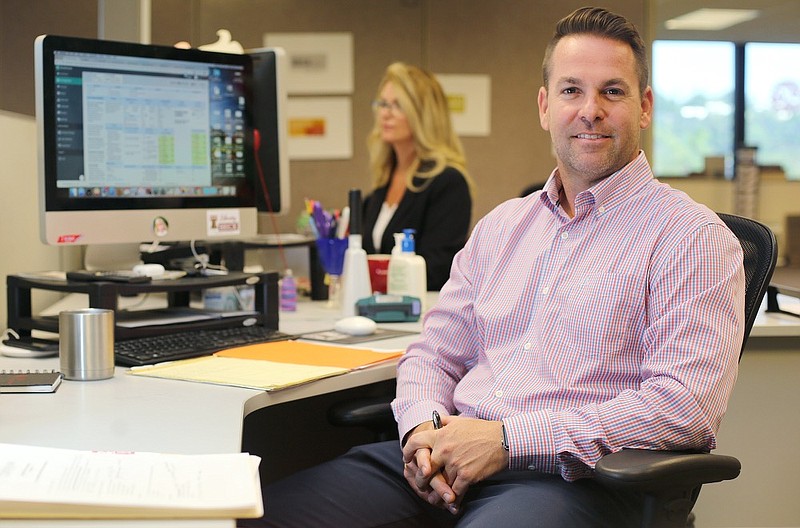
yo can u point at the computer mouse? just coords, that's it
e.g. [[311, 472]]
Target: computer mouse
[[356, 325], [149, 270]]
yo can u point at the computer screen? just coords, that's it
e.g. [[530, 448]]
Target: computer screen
[[142, 143]]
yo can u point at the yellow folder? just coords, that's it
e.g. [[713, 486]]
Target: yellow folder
[[268, 366]]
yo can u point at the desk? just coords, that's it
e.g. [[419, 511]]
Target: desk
[[148, 414], [761, 429]]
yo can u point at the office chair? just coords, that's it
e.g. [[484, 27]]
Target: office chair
[[670, 481]]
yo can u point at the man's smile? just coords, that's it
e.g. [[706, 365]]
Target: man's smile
[[592, 136]]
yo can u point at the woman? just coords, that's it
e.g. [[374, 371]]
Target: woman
[[419, 172]]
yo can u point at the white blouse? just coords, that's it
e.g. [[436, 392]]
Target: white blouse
[[386, 214]]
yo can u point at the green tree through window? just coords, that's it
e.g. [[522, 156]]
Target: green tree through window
[[772, 104], [693, 83]]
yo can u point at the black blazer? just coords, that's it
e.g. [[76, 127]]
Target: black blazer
[[440, 214]]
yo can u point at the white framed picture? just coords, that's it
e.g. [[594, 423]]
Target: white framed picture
[[318, 63], [320, 128], [469, 98]]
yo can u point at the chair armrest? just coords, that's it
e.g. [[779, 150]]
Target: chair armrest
[[649, 470], [366, 412]]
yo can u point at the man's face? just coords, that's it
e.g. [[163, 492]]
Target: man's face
[[592, 107]]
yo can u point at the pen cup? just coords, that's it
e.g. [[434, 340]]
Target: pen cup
[[331, 255], [86, 344]]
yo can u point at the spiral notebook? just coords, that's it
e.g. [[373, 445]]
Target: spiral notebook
[[27, 381]]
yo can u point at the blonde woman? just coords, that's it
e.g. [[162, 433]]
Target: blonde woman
[[419, 172]]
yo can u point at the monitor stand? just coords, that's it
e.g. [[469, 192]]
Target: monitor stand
[[111, 257]]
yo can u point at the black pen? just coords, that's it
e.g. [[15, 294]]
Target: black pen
[[437, 420], [437, 424]]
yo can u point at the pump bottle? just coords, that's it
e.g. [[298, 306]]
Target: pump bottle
[[355, 273], [407, 271], [288, 292]]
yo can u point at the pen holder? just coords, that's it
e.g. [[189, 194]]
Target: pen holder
[[331, 254]]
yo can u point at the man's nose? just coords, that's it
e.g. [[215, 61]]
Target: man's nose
[[592, 110]]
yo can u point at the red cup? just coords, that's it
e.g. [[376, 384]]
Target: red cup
[[378, 272]]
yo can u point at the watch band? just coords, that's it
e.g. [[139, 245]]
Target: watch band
[[505, 438]]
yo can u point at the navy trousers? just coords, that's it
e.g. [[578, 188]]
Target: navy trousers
[[366, 488]]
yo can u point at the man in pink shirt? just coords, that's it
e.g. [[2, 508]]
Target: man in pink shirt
[[604, 312]]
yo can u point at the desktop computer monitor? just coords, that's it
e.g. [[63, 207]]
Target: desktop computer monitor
[[142, 143], [269, 98]]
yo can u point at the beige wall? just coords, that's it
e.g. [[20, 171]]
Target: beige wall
[[20, 22], [19, 231], [503, 39]]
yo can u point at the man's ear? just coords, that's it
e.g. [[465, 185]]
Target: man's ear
[[647, 108], [543, 107]]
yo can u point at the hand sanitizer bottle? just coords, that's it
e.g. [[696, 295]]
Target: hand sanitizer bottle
[[288, 292], [407, 271]]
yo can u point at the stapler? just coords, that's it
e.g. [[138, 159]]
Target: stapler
[[387, 308]]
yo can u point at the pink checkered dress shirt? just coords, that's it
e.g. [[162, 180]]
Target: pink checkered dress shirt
[[620, 327]]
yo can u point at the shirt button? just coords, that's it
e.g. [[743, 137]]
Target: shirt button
[[527, 346], [545, 290], [564, 235], [498, 393], [601, 209], [532, 468]]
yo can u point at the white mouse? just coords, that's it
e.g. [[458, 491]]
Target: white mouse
[[149, 270], [356, 325]]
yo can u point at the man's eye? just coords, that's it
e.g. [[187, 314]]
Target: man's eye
[[571, 90], [614, 91]]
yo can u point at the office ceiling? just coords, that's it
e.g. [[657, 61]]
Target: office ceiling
[[779, 20]]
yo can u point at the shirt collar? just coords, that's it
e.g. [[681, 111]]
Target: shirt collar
[[609, 192]]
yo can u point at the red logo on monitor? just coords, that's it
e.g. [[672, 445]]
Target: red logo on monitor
[[68, 239]]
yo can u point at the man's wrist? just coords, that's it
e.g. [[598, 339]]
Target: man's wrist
[[419, 427]]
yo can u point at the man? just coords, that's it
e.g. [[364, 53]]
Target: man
[[603, 312]]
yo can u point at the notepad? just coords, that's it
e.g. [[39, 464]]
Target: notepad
[[27, 381], [268, 366], [235, 372], [42, 482]]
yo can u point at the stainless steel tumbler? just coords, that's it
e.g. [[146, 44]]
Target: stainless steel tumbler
[[86, 344]]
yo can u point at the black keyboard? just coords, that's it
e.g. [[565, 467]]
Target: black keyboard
[[189, 344]]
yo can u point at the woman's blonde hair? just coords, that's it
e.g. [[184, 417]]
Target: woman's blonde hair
[[424, 105]]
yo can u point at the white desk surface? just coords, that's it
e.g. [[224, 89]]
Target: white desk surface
[[778, 324], [148, 414]]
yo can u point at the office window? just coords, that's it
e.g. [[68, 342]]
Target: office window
[[772, 104], [693, 117]]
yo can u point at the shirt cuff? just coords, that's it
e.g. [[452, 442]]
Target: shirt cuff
[[418, 413], [531, 443]]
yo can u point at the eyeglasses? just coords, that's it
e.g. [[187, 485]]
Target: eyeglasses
[[392, 106]]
